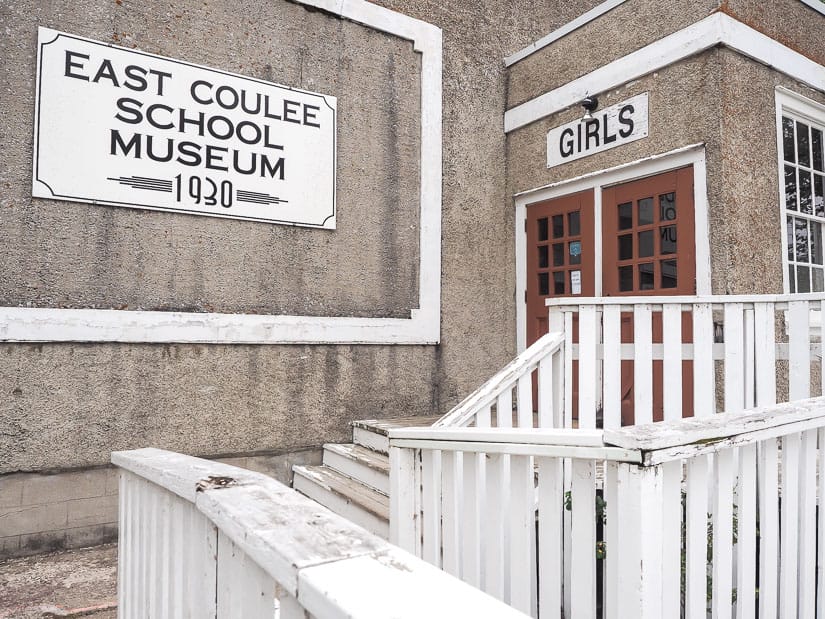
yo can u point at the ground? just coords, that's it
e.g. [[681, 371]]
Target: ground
[[74, 583]]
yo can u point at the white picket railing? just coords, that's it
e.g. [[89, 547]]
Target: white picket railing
[[515, 513], [492, 404], [748, 335], [203, 539]]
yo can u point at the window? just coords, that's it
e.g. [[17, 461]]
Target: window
[[801, 134]]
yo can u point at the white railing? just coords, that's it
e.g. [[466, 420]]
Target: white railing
[[764, 343], [713, 516], [491, 405], [203, 539]]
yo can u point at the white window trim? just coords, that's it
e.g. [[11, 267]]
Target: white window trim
[[21, 324], [717, 29], [597, 181], [796, 105]]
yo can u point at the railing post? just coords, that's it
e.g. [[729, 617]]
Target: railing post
[[404, 514], [639, 512]]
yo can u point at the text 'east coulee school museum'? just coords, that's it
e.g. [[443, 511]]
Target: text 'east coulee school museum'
[[231, 229]]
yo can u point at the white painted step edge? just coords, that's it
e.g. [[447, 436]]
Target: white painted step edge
[[342, 459]]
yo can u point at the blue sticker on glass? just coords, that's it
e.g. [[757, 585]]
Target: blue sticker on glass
[[576, 248]]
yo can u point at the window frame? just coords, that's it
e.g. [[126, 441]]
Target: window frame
[[799, 108]]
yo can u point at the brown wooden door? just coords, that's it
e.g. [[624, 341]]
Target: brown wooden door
[[560, 260], [649, 249]]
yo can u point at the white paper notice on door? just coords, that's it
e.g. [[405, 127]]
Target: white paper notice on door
[[575, 282]]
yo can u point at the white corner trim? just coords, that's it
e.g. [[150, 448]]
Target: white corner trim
[[717, 29], [693, 154], [423, 327], [581, 20]]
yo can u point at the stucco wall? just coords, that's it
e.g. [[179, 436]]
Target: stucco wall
[[71, 404]]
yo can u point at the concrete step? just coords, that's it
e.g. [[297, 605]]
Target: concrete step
[[345, 496], [365, 465], [372, 433]]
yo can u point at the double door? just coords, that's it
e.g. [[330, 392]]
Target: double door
[[647, 249]]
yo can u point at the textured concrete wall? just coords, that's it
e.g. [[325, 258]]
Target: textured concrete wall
[[69, 405]]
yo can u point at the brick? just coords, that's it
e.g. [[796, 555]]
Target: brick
[[42, 489], [11, 490], [112, 480], [239, 462], [9, 546], [39, 543], [82, 537], [32, 519], [92, 511]]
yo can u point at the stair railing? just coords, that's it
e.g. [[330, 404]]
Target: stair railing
[[203, 539], [670, 519], [491, 405]]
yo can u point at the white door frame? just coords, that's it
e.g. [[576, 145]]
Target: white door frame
[[597, 181]]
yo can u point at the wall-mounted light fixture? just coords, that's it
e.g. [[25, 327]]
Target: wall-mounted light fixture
[[589, 104]]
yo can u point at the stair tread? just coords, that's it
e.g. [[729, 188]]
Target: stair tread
[[368, 457], [369, 499], [383, 426]]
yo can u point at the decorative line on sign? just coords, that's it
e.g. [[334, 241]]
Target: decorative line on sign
[[258, 198], [144, 182]]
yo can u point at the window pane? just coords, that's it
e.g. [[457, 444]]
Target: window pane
[[791, 278], [646, 281], [625, 216], [667, 240], [668, 273], [803, 279], [575, 250], [790, 188], [645, 243], [626, 278], [791, 243], [645, 211], [819, 195], [802, 144], [544, 284], [558, 226], [801, 237], [558, 282], [667, 207], [543, 260], [542, 229], [573, 223], [626, 247], [816, 242], [817, 285], [787, 139], [558, 254], [816, 148], [805, 198]]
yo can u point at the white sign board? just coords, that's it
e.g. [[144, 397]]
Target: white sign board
[[611, 127], [126, 128]]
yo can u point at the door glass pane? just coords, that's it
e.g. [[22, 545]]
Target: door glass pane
[[667, 239], [790, 188], [544, 284], [646, 281], [543, 259], [558, 282], [542, 231], [787, 139], [626, 278], [803, 281], [575, 251], [668, 273], [558, 254], [625, 216], [801, 238], [817, 285], [645, 243], [667, 207], [626, 247], [816, 148], [645, 211], [802, 144], [573, 224], [558, 226], [819, 195]]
